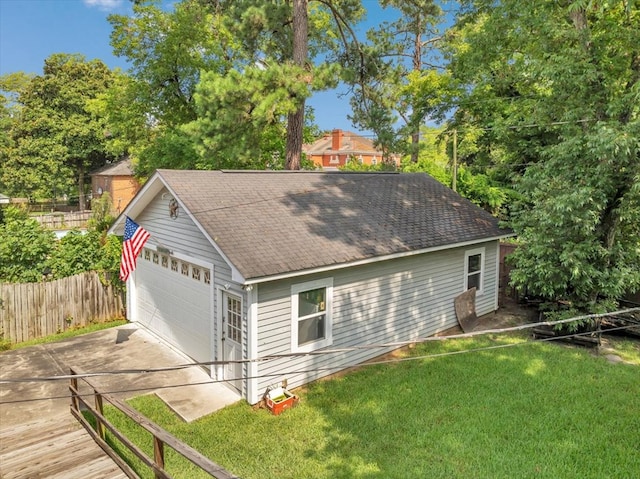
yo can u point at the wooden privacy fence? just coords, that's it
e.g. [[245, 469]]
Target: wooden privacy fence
[[64, 220], [159, 436], [34, 310]]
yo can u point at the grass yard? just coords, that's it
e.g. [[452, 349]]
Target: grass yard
[[538, 410]]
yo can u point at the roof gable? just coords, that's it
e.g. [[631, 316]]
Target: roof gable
[[278, 223], [121, 168], [349, 143]]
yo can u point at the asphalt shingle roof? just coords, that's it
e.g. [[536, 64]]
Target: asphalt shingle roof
[[350, 142], [121, 168], [269, 223]]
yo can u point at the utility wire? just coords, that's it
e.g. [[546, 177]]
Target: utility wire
[[336, 368], [394, 345]]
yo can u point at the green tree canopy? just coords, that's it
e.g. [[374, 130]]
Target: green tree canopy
[[401, 86], [55, 139], [554, 97], [227, 70]]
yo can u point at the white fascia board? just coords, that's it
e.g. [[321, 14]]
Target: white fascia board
[[374, 260], [147, 193]]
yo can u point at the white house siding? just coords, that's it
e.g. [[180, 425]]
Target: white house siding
[[181, 235], [396, 300]]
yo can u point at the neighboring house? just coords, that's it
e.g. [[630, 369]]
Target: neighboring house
[[245, 265], [4, 200], [336, 149], [118, 180]]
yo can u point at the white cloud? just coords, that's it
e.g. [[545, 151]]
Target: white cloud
[[103, 4]]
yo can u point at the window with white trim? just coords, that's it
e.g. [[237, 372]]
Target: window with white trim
[[311, 305], [474, 269]]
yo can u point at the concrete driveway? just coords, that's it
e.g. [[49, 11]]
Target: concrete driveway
[[121, 348]]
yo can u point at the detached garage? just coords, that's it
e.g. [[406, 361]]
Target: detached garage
[[280, 275]]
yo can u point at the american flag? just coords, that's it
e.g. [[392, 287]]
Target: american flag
[[134, 239]]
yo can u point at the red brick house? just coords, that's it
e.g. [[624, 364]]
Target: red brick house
[[336, 149]]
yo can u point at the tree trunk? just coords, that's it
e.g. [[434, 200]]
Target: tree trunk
[[82, 204], [295, 121]]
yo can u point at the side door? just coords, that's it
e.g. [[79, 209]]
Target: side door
[[232, 339]]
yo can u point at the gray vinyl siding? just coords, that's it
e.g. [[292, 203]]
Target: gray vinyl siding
[[396, 300], [182, 235]]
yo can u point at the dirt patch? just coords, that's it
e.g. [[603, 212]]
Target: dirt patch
[[510, 314]]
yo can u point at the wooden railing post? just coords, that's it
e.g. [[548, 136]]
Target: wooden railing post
[[75, 405], [99, 425], [158, 454], [160, 436]]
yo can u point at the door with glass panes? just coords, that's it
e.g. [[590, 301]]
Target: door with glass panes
[[232, 338]]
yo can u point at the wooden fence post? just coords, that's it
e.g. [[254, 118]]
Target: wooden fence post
[[158, 454], [99, 425], [75, 405]]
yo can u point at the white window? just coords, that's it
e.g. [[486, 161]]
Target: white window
[[474, 269], [311, 305], [195, 273]]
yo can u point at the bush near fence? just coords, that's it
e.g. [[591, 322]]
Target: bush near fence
[[34, 310]]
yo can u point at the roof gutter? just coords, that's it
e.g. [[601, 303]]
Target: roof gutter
[[377, 259]]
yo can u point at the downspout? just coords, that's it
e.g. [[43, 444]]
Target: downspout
[[253, 395]]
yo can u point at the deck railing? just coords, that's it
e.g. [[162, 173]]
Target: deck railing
[[161, 437]]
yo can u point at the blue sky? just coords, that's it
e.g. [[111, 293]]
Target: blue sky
[[31, 30]]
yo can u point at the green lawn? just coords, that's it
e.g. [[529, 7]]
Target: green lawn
[[536, 410]]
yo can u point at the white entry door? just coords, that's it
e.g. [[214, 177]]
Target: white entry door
[[232, 338]]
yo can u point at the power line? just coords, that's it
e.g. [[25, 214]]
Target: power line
[[394, 345], [335, 368]]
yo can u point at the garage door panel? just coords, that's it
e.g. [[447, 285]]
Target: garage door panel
[[176, 307]]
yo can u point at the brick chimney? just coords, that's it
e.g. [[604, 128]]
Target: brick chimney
[[336, 139]]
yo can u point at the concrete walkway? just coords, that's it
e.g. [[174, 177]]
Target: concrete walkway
[[123, 348]]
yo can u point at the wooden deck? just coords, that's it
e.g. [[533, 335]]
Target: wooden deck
[[59, 448]]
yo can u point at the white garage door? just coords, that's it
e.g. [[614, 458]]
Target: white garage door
[[174, 300]]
